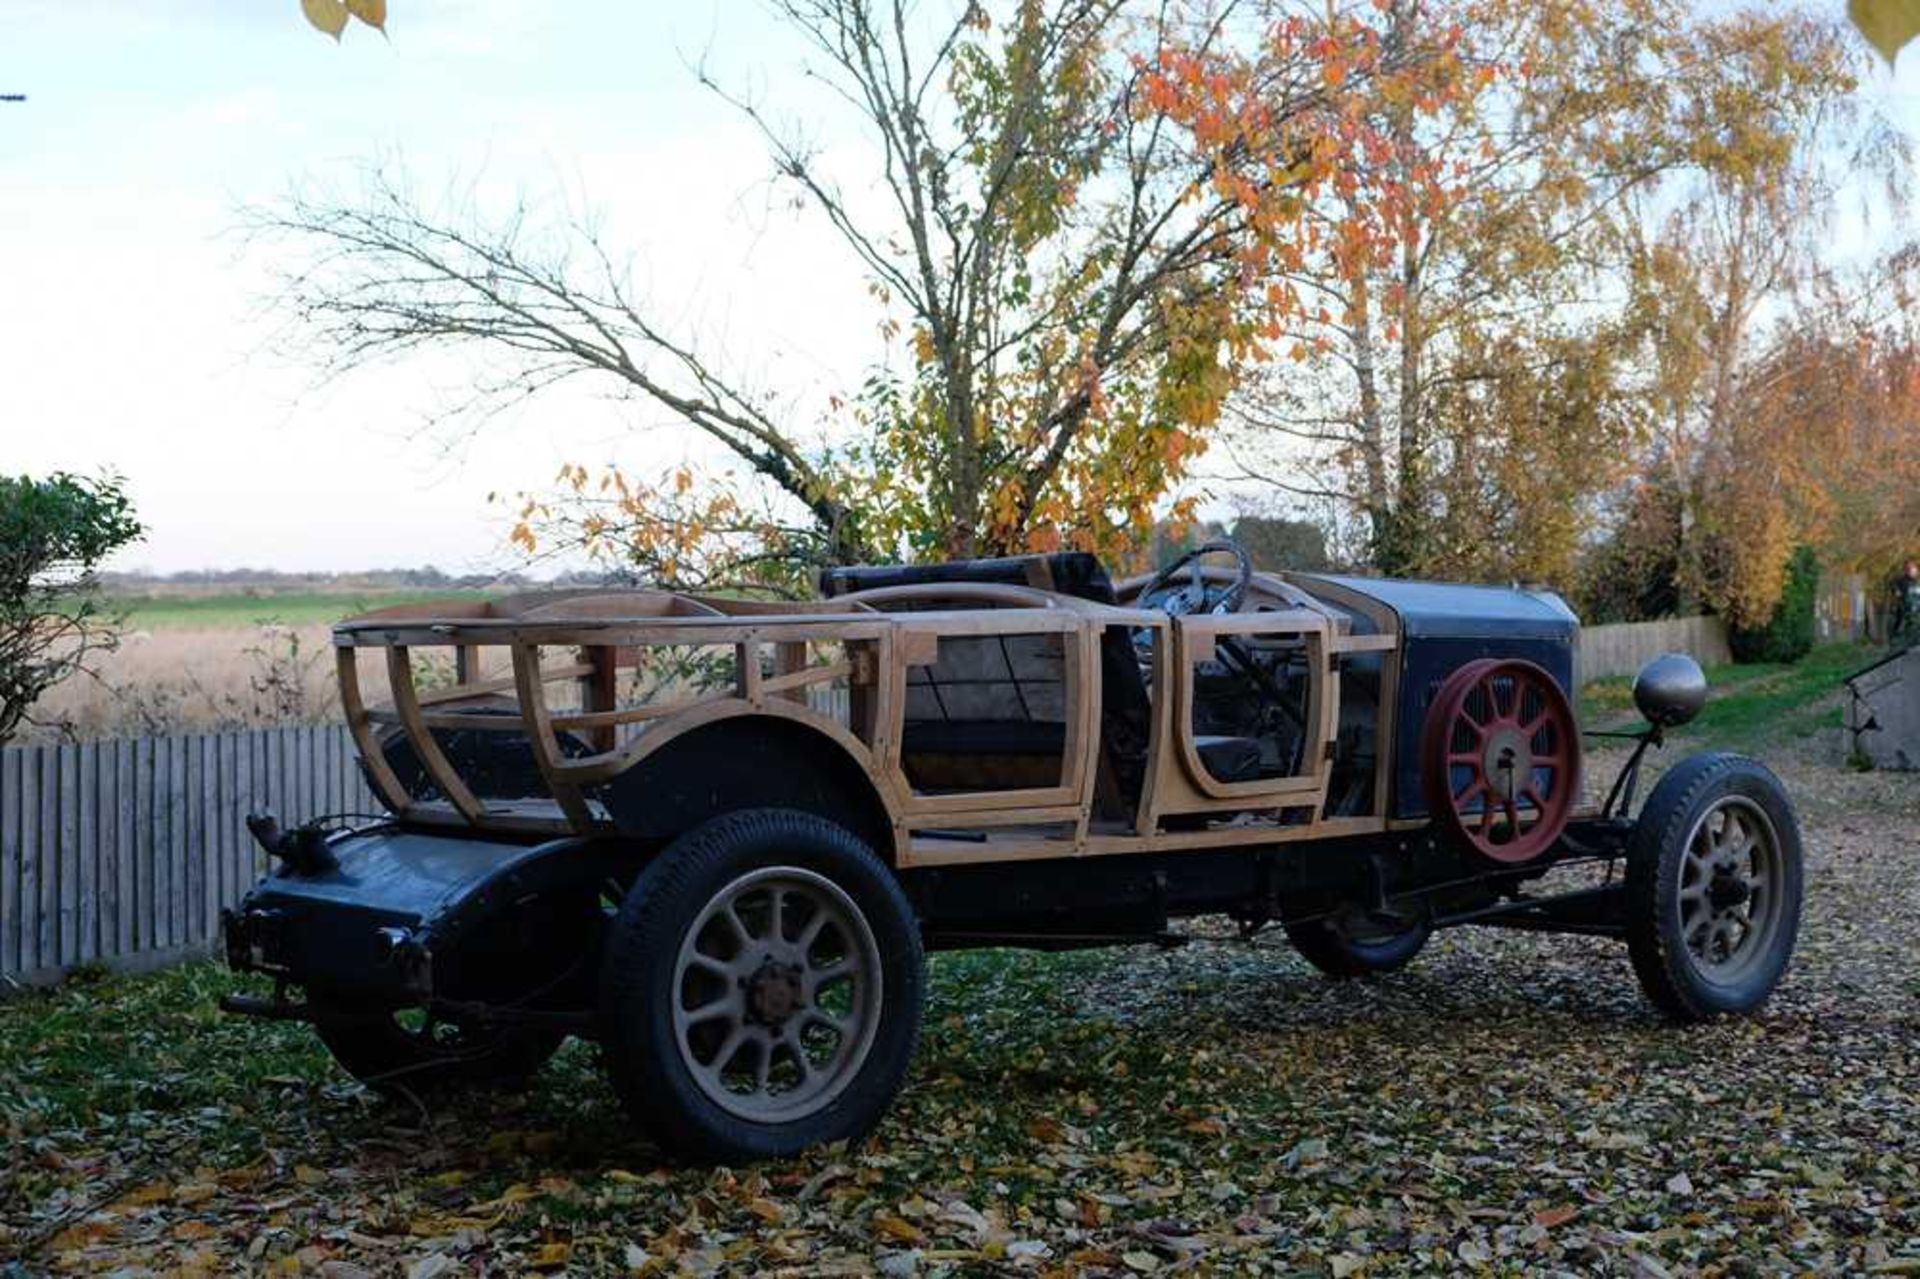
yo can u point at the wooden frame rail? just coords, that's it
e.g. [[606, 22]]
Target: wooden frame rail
[[604, 645]]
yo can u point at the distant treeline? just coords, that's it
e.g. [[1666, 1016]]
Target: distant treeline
[[275, 581]]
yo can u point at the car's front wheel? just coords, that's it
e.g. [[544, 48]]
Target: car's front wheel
[[1714, 881], [761, 988]]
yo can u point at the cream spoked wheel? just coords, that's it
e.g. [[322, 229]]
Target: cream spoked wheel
[[777, 994], [761, 988], [1730, 894], [1714, 880]]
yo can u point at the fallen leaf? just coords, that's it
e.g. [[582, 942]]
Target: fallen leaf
[[432, 1266], [550, 1255]]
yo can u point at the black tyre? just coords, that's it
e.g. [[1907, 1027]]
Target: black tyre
[[1714, 882], [1348, 944], [761, 989], [408, 1054]]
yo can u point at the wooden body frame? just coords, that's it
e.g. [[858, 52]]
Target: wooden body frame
[[880, 635]]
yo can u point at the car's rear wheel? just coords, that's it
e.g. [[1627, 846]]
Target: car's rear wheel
[[1714, 882], [1348, 943], [410, 1053], [761, 988]]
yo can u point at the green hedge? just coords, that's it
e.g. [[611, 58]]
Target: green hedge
[[1788, 635]]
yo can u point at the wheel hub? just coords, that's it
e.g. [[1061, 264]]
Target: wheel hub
[[774, 992], [1727, 892], [1507, 761]]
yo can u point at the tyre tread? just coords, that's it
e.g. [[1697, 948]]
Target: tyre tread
[[643, 942], [1651, 884]]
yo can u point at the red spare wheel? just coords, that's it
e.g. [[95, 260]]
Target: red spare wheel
[[1500, 759]]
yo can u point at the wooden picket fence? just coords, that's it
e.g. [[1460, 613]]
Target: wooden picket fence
[[1622, 648], [123, 852]]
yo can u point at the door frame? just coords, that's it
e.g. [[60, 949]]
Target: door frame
[[1178, 783], [917, 643]]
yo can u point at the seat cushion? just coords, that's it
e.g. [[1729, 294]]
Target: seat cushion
[[1069, 572], [1229, 759]]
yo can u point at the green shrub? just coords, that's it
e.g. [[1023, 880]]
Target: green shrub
[[1788, 634]]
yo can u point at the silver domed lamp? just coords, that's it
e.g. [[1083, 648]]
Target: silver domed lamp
[[1669, 691]]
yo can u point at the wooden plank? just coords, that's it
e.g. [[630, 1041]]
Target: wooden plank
[[298, 783], [533, 703], [266, 778], [178, 888], [279, 784], [146, 869], [285, 794], [343, 770], [69, 922], [12, 912], [266, 759], [232, 820], [46, 945], [310, 774], [329, 766], [232, 755], [350, 793], [193, 865], [227, 826], [88, 940], [153, 818], [432, 758], [163, 883], [214, 850], [271, 777], [348, 675], [28, 956], [300, 794], [247, 763], [206, 789], [119, 868], [600, 691]]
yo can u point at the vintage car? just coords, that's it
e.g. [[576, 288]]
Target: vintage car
[[718, 835]]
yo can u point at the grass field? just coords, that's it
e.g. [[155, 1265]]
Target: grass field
[[204, 661], [292, 608], [1747, 705]]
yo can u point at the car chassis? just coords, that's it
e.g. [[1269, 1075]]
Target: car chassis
[[717, 834]]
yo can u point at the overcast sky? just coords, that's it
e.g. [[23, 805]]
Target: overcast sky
[[131, 329], [132, 334]]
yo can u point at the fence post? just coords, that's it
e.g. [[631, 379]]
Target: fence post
[[13, 808]]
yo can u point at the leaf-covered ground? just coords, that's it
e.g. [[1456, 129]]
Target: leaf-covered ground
[[1509, 1103]]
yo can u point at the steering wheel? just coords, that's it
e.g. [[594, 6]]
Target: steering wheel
[[1197, 596]]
